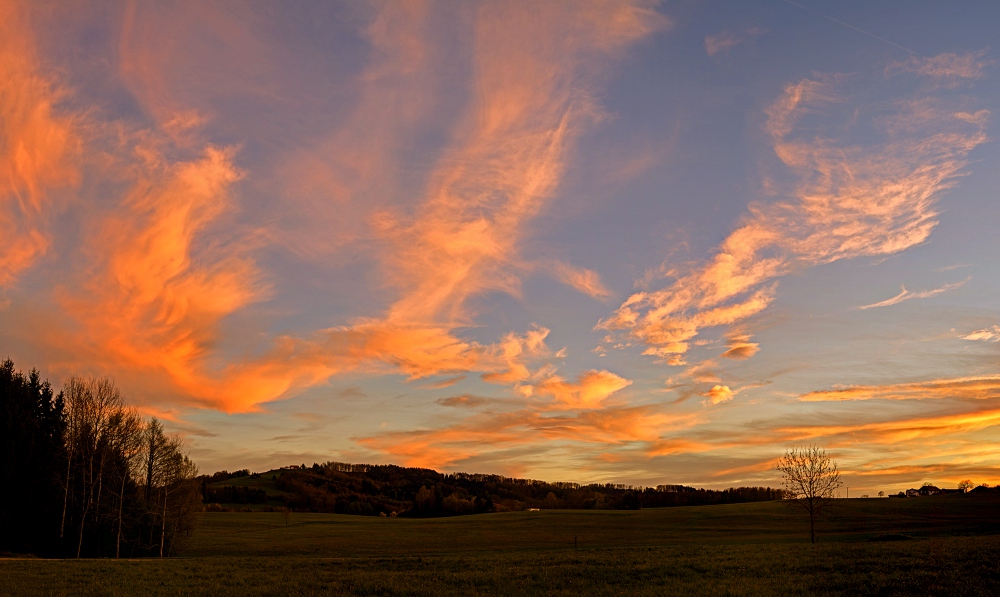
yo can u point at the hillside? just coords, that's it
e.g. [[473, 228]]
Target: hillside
[[389, 490]]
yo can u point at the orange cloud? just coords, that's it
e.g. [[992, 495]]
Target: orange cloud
[[849, 202], [38, 147], [161, 278], [155, 300], [586, 281], [964, 388], [589, 391], [740, 347], [900, 432], [485, 433], [718, 394]]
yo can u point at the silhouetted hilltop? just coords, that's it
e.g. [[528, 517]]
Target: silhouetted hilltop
[[390, 490]]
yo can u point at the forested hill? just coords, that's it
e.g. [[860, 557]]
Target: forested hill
[[390, 490]]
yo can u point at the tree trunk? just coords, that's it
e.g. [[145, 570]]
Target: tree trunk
[[151, 456], [97, 504], [121, 503], [62, 525], [88, 499], [163, 522], [100, 485], [83, 520]]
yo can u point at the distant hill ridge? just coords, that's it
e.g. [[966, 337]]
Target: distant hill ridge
[[391, 490]]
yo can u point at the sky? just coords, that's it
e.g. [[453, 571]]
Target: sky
[[594, 241]]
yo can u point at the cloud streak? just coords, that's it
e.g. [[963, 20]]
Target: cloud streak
[[962, 388], [584, 280], [906, 295], [901, 431]]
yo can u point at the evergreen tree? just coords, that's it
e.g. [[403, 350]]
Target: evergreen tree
[[31, 455]]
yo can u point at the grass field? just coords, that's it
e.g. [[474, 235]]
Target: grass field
[[746, 549]]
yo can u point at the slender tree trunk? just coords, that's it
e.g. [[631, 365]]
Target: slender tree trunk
[[163, 522], [62, 525], [100, 485], [121, 503], [89, 498], [97, 504], [83, 520], [149, 470]]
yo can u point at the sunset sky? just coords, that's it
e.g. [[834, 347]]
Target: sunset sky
[[632, 242]]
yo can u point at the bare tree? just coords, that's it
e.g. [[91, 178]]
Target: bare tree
[[94, 407], [154, 444], [170, 494], [75, 395], [965, 486], [811, 478], [125, 479], [128, 447]]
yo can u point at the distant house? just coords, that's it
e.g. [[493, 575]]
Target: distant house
[[929, 490], [912, 492]]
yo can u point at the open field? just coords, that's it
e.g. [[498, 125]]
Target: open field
[[745, 549]]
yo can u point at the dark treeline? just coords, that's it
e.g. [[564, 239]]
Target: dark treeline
[[398, 491], [85, 476], [232, 494]]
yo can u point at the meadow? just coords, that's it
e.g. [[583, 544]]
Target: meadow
[[930, 545]]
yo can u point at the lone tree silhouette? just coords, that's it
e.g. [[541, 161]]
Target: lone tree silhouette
[[811, 479]]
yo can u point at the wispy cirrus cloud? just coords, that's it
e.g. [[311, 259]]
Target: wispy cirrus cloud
[[906, 295], [160, 278], [950, 68], [850, 201], [962, 388], [584, 280], [39, 146]]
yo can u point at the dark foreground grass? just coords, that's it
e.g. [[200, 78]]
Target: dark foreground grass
[[950, 545], [955, 565]]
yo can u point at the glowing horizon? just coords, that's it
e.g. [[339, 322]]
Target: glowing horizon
[[628, 241]]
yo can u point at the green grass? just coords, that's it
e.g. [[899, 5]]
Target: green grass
[[747, 549]]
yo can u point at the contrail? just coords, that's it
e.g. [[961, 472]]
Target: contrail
[[849, 26]]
